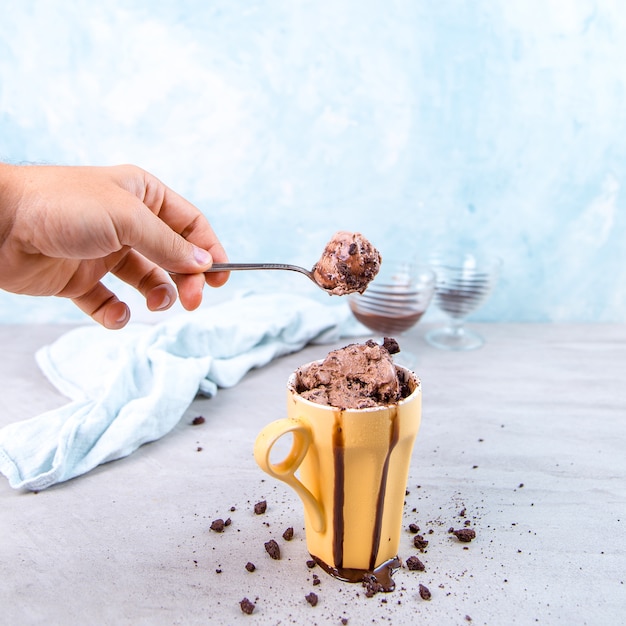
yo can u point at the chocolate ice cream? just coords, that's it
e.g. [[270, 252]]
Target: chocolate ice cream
[[358, 376], [348, 264]]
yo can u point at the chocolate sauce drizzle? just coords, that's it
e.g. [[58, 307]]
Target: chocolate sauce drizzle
[[393, 440], [383, 573], [339, 446]]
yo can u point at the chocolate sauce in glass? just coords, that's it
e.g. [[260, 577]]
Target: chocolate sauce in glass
[[382, 573], [387, 324]]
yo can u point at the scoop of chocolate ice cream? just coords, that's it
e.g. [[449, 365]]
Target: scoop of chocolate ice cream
[[358, 376], [348, 264]]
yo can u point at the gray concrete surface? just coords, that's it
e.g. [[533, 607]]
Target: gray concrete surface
[[526, 435]]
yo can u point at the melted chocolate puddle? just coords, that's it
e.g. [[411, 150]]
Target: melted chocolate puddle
[[382, 575]]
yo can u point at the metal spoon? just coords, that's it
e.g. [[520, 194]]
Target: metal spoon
[[229, 267]]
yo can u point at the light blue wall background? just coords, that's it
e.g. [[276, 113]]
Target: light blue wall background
[[497, 124]]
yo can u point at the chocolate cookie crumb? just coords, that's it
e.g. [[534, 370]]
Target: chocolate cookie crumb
[[250, 566], [311, 598], [311, 563], [391, 345], [420, 543], [246, 606], [288, 534], [344, 621], [196, 421], [218, 525], [462, 513], [465, 534], [260, 507], [316, 580], [372, 586], [413, 563], [227, 522], [273, 549], [414, 528], [199, 449], [424, 592], [468, 618]]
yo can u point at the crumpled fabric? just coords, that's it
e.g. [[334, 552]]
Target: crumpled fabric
[[132, 386]]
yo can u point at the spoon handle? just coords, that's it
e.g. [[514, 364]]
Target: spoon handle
[[229, 267]]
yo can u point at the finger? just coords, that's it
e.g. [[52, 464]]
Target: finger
[[187, 220], [179, 235], [103, 306], [189, 289], [147, 278], [142, 230]]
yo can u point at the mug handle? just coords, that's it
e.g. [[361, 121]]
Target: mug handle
[[285, 470]]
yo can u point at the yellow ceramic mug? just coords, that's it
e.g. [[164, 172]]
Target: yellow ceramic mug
[[352, 469]]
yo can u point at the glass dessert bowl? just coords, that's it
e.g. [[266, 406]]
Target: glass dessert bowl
[[395, 301], [464, 282]]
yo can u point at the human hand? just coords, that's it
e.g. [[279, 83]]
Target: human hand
[[63, 228]]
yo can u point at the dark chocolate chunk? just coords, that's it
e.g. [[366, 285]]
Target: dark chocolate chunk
[[246, 606], [420, 543], [372, 586], [218, 525], [391, 345], [465, 534], [260, 507], [273, 549], [288, 534], [413, 563], [311, 598]]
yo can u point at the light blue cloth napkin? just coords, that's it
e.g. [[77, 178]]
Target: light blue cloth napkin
[[132, 386]]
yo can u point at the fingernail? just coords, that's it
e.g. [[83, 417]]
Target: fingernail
[[123, 316], [166, 300], [202, 257]]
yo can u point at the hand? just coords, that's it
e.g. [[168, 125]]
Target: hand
[[63, 228]]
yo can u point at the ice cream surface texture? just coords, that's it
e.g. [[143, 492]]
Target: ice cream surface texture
[[358, 376], [347, 265]]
